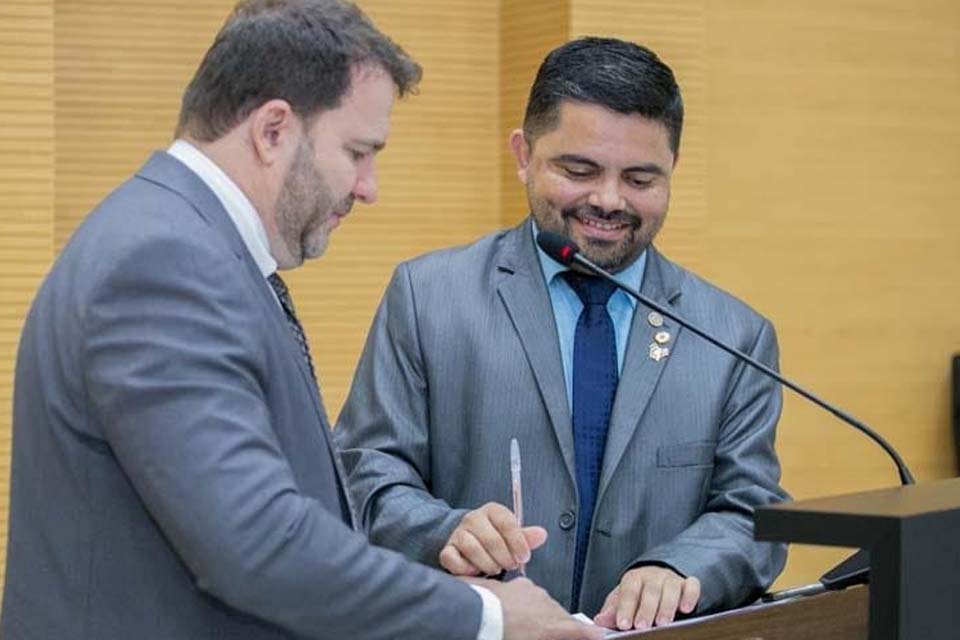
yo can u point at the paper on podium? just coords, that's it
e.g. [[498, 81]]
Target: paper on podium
[[633, 633]]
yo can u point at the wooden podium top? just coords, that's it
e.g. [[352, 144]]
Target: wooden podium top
[[895, 502], [857, 519], [835, 615]]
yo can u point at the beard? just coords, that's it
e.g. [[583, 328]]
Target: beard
[[610, 255], [304, 206]]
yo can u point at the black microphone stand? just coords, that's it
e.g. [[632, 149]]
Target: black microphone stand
[[853, 570]]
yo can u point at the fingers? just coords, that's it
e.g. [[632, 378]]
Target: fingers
[[648, 596], [690, 595], [669, 601], [508, 529], [628, 602], [535, 537], [650, 599], [490, 540], [607, 617], [473, 550], [530, 613], [453, 561]]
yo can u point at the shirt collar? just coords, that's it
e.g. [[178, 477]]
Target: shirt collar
[[632, 276], [236, 203]]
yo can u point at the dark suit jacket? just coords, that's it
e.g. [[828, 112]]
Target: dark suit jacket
[[173, 475], [463, 355]]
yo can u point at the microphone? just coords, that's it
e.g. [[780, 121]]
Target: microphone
[[854, 569]]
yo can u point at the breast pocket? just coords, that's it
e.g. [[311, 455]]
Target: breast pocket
[[686, 454]]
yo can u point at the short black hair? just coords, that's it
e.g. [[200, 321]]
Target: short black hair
[[301, 51], [622, 76]]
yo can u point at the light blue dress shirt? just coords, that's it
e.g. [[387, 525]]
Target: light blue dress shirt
[[567, 308]]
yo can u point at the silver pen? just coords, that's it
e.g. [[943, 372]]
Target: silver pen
[[517, 488]]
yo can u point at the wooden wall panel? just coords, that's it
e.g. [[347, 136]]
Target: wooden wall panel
[[26, 185], [529, 29], [121, 67]]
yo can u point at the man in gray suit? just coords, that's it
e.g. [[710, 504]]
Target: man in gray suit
[[173, 473], [645, 449]]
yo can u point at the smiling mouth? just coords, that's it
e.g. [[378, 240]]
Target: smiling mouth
[[602, 225]]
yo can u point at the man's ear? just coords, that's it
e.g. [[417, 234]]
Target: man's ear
[[521, 153], [274, 131]]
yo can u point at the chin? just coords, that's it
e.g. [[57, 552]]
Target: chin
[[316, 248]]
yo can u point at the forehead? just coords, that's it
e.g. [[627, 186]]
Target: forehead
[[364, 109], [599, 133]]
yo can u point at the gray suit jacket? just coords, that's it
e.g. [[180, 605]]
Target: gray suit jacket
[[464, 354], [173, 474]]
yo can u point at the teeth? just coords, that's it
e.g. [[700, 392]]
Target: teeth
[[605, 226]]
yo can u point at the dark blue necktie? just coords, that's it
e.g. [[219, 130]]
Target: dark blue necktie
[[595, 376]]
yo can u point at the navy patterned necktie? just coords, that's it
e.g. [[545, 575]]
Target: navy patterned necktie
[[283, 295], [595, 377]]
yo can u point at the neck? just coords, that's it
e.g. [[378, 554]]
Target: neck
[[238, 161]]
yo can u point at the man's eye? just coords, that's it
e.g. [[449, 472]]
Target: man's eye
[[357, 156], [575, 172], [640, 183]]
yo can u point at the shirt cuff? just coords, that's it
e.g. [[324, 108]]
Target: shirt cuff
[[491, 623]]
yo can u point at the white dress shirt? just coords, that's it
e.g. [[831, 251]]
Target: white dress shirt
[[254, 236]]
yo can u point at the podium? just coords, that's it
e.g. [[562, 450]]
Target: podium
[[912, 534], [835, 615]]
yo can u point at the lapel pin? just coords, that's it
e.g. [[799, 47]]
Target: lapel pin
[[662, 337], [655, 319], [658, 353]]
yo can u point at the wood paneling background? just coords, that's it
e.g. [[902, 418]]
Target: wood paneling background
[[529, 30], [26, 189], [819, 178]]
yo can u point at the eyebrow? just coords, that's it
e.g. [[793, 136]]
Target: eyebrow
[[573, 158]]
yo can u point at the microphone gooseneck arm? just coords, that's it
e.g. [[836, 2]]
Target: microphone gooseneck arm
[[566, 252]]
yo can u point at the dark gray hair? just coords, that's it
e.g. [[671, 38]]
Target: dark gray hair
[[301, 51], [619, 75]]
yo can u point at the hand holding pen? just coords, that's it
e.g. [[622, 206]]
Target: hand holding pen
[[492, 539]]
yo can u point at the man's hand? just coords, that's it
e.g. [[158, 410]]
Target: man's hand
[[529, 613], [648, 596], [489, 540]]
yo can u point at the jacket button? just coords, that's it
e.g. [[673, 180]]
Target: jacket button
[[567, 519]]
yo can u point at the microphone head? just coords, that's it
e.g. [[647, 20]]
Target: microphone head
[[557, 246]]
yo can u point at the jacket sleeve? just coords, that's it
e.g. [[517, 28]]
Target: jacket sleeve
[[384, 434], [175, 373], [718, 547]]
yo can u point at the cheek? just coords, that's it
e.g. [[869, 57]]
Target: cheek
[[339, 176], [559, 191], [651, 202]]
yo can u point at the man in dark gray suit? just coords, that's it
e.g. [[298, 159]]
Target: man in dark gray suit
[[173, 474], [645, 449]]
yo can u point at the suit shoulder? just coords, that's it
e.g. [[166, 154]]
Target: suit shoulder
[[702, 301], [453, 263]]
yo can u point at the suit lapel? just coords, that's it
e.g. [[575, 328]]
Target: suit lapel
[[527, 302], [168, 172], [641, 371]]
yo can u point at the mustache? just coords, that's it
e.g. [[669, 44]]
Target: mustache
[[621, 216]]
